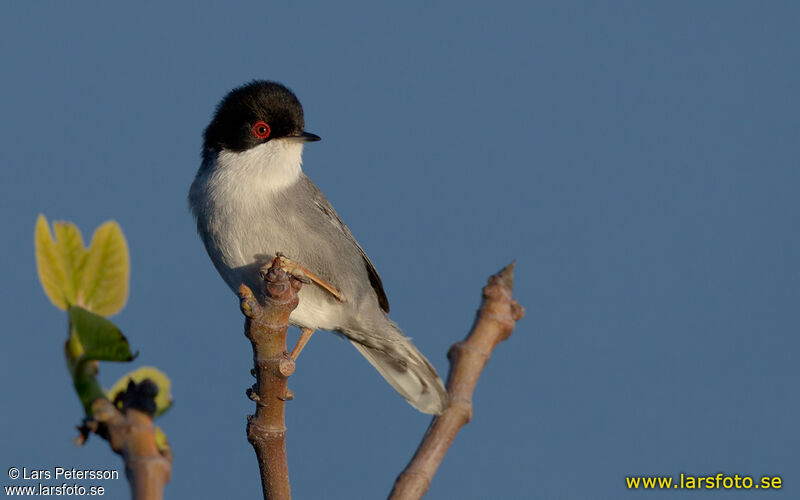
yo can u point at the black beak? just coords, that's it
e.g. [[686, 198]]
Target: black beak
[[305, 137]]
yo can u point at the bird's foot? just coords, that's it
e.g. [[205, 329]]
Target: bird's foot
[[306, 276]]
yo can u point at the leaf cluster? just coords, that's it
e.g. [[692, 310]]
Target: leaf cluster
[[91, 284]]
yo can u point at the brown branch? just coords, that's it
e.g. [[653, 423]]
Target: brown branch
[[132, 435], [494, 323], [266, 328]]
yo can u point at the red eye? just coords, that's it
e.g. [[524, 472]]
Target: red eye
[[260, 130]]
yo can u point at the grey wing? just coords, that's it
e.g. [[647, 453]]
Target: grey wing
[[322, 203]]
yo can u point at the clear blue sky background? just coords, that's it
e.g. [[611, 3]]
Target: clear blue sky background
[[640, 161]]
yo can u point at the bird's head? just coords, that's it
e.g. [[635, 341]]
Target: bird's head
[[254, 114]]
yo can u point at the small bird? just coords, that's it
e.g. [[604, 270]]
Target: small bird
[[252, 202]]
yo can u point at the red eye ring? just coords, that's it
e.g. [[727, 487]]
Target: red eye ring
[[261, 129]]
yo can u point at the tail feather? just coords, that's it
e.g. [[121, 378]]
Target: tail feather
[[407, 370]]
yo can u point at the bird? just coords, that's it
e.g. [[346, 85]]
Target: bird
[[252, 202]]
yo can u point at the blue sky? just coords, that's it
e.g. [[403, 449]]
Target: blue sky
[[640, 161]]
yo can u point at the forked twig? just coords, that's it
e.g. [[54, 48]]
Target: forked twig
[[266, 328]]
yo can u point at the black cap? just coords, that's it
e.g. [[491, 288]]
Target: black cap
[[254, 114]]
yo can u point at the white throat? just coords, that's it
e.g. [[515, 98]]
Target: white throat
[[272, 166]]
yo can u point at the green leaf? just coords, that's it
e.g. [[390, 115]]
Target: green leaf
[[104, 283], [51, 266], [69, 243], [164, 396], [97, 338], [92, 338]]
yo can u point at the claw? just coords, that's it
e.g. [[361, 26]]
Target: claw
[[305, 276]]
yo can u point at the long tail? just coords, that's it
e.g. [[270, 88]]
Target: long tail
[[406, 369]]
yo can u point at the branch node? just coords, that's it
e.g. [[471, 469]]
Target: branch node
[[288, 396], [263, 434], [252, 394], [286, 366], [456, 349], [463, 405], [517, 311]]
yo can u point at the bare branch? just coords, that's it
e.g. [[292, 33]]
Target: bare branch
[[266, 328], [494, 323]]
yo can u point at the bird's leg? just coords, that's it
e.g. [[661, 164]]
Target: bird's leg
[[305, 335], [301, 272]]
